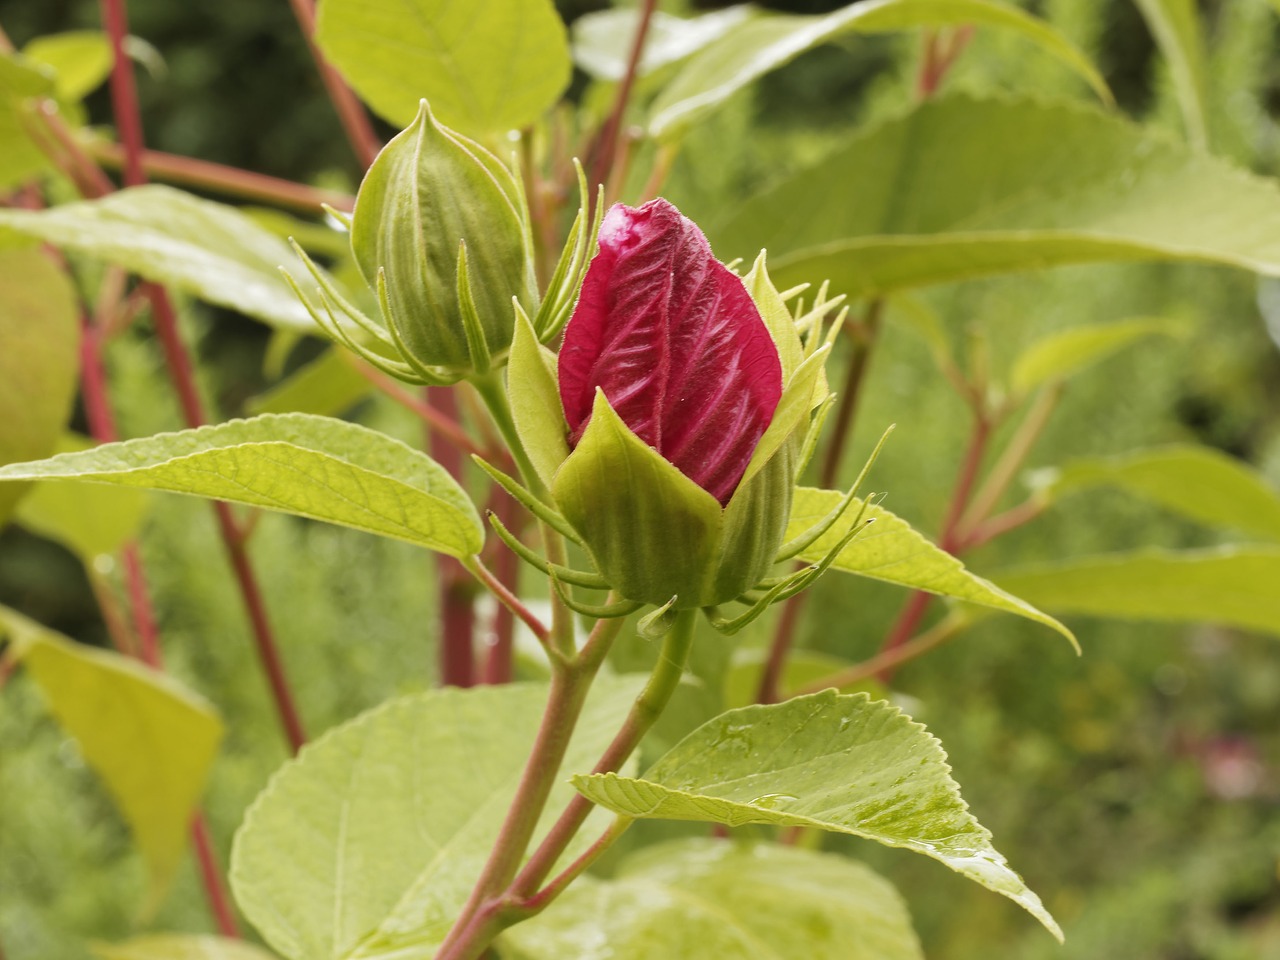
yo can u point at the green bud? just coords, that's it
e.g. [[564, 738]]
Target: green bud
[[441, 232]]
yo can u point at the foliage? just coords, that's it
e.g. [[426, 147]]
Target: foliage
[[433, 823]]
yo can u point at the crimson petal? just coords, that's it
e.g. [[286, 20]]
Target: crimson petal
[[676, 343]]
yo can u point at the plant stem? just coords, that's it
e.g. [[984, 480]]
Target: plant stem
[[128, 119], [359, 129], [103, 428], [456, 595], [935, 636], [1002, 523], [478, 922], [557, 885], [866, 334], [509, 601], [607, 145], [648, 706], [218, 178], [1011, 461]]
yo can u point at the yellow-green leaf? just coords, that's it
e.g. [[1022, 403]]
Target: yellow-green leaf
[[151, 740], [836, 762], [328, 386], [925, 199], [314, 467], [1063, 354], [705, 899], [88, 519], [179, 946], [486, 66], [1236, 586], [762, 44], [1197, 482], [80, 60], [39, 359], [1176, 27], [208, 249], [889, 549], [368, 843]]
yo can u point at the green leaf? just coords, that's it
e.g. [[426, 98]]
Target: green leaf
[[763, 44], [39, 359], [922, 199], [535, 401], [1063, 354], [602, 39], [1230, 585], [89, 519], [177, 946], [20, 160], [81, 60], [314, 467], [700, 899], [833, 761], [1197, 482], [486, 66], [209, 249], [1176, 28], [150, 739], [327, 386], [890, 550], [369, 842]]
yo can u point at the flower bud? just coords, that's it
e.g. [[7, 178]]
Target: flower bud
[[441, 232], [684, 442]]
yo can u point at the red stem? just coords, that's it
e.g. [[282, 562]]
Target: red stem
[[456, 593], [364, 141], [246, 184], [909, 619], [607, 145], [783, 639], [103, 428], [211, 873], [129, 121]]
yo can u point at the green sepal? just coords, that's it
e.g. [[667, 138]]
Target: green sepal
[[793, 408], [776, 316], [481, 356], [652, 532], [579, 247], [656, 624], [605, 611], [578, 578], [546, 514], [535, 400]]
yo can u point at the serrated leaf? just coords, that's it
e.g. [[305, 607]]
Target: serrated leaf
[[151, 740], [1197, 482], [1230, 585], [889, 549], [327, 386], [1063, 354], [486, 66], [923, 199], [833, 761], [602, 39], [39, 359], [208, 249], [368, 843], [80, 60], [175, 946], [761, 45], [700, 899], [314, 467], [1176, 28], [88, 519]]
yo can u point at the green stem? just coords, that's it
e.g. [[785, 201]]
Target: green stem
[[478, 923], [653, 699]]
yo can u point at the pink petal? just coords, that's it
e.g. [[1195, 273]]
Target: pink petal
[[677, 344]]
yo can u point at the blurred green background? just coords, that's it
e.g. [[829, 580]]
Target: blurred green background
[[1136, 788]]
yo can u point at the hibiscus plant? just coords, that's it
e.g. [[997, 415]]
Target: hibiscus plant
[[626, 435]]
